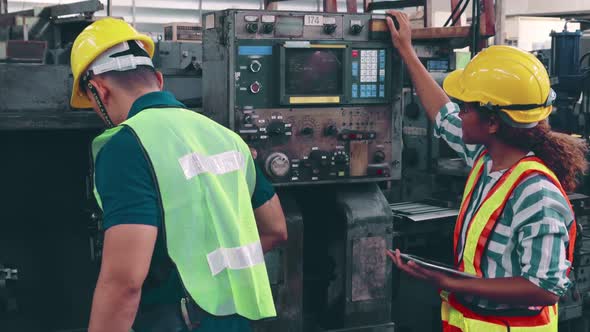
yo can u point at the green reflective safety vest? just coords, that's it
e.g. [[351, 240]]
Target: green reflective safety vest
[[205, 176]]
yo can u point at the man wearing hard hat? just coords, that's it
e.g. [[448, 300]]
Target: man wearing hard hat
[[187, 217]]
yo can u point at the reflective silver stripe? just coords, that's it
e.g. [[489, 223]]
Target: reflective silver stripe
[[194, 164], [235, 258]]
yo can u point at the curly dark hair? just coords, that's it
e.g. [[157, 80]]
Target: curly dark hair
[[565, 155]]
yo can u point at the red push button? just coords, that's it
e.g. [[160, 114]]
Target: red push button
[[255, 87], [355, 53]]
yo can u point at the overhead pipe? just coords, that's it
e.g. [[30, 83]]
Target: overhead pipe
[[330, 6], [201, 13], [351, 6], [133, 13]]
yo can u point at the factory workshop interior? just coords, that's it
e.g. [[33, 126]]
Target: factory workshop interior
[[337, 117]]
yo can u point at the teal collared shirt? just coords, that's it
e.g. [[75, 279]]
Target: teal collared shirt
[[129, 196], [154, 100]]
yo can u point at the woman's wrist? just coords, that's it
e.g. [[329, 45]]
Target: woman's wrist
[[406, 52]]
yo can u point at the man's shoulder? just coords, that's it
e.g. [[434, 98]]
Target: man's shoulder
[[122, 148]]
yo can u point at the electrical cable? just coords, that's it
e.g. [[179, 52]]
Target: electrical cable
[[474, 28], [461, 12], [453, 12]]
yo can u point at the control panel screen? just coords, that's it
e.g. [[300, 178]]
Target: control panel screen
[[313, 72]]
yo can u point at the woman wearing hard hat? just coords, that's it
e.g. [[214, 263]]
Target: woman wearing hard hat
[[516, 228]]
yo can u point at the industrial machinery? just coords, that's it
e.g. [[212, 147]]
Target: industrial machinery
[[324, 100], [35, 48], [318, 95], [570, 78]]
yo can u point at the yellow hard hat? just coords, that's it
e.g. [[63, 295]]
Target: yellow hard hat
[[506, 79], [95, 40]]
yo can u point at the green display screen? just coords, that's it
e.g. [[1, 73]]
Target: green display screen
[[313, 72]]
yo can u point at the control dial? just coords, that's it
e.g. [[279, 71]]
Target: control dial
[[255, 66], [340, 158], [255, 87], [268, 27], [379, 157], [412, 110], [307, 131], [277, 164], [307, 126], [329, 28], [355, 29], [276, 128], [320, 158], [252, 27], [331, 130]]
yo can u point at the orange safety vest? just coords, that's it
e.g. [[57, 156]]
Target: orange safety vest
[[457, 317]]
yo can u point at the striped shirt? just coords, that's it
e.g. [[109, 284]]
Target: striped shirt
[[531, 234]]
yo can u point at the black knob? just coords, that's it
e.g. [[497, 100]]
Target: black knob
[[411, 157], [340, 158], [331, 130], [412, 110], [252, 27], [268, 27], [355, 29], [307, 131], [276, 128], [320, 158], [378, 157], [395, 22], [329, 28]]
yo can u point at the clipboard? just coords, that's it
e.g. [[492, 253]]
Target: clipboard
[[430, 264]]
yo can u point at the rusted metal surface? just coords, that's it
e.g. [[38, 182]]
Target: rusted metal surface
[[440, 33], [366, 4], [488, 19], [32, 51], [369, 269], [330, 6], [271, 4], [351, 6]]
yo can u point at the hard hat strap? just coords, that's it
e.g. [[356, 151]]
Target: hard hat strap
[[523, 107], [516, 107], [101, 107]]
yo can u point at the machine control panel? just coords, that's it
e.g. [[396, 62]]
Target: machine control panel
[[299, 145], [318, 95]]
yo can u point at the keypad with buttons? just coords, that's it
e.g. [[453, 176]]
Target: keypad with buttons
[[368, 74]]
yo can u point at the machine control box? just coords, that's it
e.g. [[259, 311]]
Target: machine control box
[[317, 94]]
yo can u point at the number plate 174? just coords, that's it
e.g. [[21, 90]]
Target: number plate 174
[[314, 20]]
